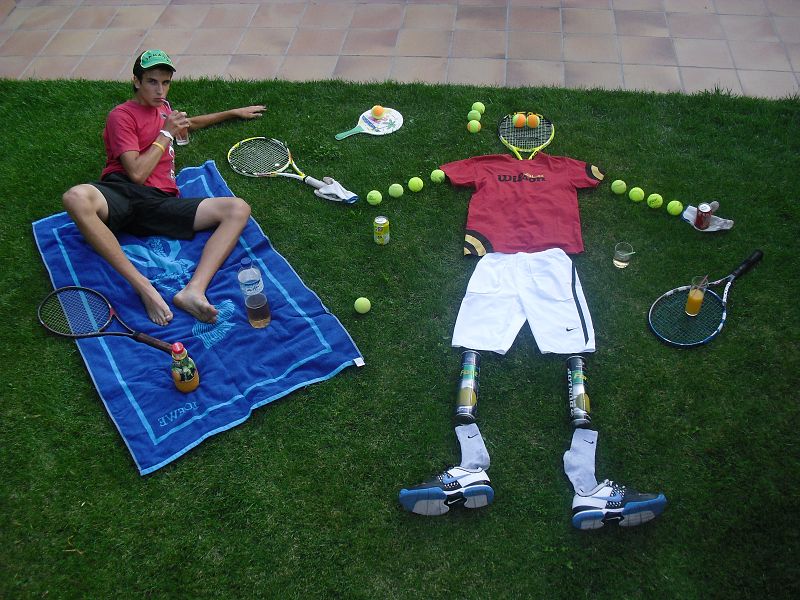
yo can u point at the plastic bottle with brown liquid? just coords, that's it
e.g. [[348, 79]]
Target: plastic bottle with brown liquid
[[255, 299]]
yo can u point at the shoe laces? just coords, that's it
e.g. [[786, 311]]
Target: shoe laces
[[445, 473], [616, 488]]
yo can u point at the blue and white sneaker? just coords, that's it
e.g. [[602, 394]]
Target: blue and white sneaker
[[455, 487], [611, 502]]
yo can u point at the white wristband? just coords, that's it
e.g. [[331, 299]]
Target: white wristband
[[167, 134]]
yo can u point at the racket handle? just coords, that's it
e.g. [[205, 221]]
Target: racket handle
[[314, 182], [747, 264], [154, 342], [353, 131]]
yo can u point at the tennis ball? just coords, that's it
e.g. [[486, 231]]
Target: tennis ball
[[520, 120], [474, 126], [479, 107], [437, 176], [415, 184], [533, 121], [362, 305], [377, 111], [374, 197], [395, 190], [655, 201], [619, 186], [675, 208], [636, 194], [474, 115]]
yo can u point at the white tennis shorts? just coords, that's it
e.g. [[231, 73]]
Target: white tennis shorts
[[505, 290]]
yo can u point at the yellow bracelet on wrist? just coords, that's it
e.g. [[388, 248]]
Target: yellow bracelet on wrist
[[163, 149]]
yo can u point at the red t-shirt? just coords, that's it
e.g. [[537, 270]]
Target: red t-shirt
[[132, 126], [523, 205]]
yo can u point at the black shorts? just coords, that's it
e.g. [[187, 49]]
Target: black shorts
[[144, 210]]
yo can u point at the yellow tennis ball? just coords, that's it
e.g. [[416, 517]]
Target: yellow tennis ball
[[619, 186], [675, 208], [395, 190], [473, 115], [533, 121], [378, 111], [655, 201], [519, 120], [415, 184], [374, 197], [362, 305], [636, 194], [437, 176], [479, 107], [474, 126]]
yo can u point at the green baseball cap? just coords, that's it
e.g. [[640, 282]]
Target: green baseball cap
[[152, 58]]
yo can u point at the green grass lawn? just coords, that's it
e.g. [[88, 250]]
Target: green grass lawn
[[301, 500]]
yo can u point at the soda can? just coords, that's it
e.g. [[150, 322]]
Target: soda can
[[703, 217], [579, 407], [380, 230], [467, 405]]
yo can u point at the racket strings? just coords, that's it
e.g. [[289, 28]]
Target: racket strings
[[525, 138], [260, 156], [75, 312], [669, 319]]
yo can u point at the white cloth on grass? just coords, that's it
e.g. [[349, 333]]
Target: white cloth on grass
[[716, 224], [335, 192], [543, 288]]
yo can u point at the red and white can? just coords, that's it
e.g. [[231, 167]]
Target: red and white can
[[703, 217]]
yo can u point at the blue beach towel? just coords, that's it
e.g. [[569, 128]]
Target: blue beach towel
[[241, 368]]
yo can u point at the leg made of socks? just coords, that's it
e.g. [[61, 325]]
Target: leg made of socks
[[579, 460], [473, 451]]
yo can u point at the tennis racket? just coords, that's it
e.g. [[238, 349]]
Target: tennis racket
[[669, 321], [525, 139], [266, 157], [390, 122], [79, 312]]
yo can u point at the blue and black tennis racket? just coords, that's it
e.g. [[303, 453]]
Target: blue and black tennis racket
[[670, 323]]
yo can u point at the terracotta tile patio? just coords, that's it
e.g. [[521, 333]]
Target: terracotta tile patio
[[749, 47]]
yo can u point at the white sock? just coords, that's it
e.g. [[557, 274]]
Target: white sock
[[473, 451], [579, 460]]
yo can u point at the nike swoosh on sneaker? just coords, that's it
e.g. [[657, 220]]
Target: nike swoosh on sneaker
[[448, 479], [614, 498]]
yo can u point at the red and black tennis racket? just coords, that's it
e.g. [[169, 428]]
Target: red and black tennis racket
[[79, 312]]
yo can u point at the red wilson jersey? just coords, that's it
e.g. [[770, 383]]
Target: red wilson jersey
[[523, 205], [131, 126]]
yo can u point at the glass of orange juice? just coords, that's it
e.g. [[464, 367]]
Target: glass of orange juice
[[696, 293]]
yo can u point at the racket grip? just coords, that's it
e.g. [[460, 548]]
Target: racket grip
[[154, 342], [747, 264], [344, 134], [314, 182]]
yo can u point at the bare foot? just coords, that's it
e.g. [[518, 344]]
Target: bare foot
[[196, 305], [157, 309]]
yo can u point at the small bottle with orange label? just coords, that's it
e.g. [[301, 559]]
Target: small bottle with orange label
[[184, 371]]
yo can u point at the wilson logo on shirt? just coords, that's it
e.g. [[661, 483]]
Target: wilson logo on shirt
[[521, 177]]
